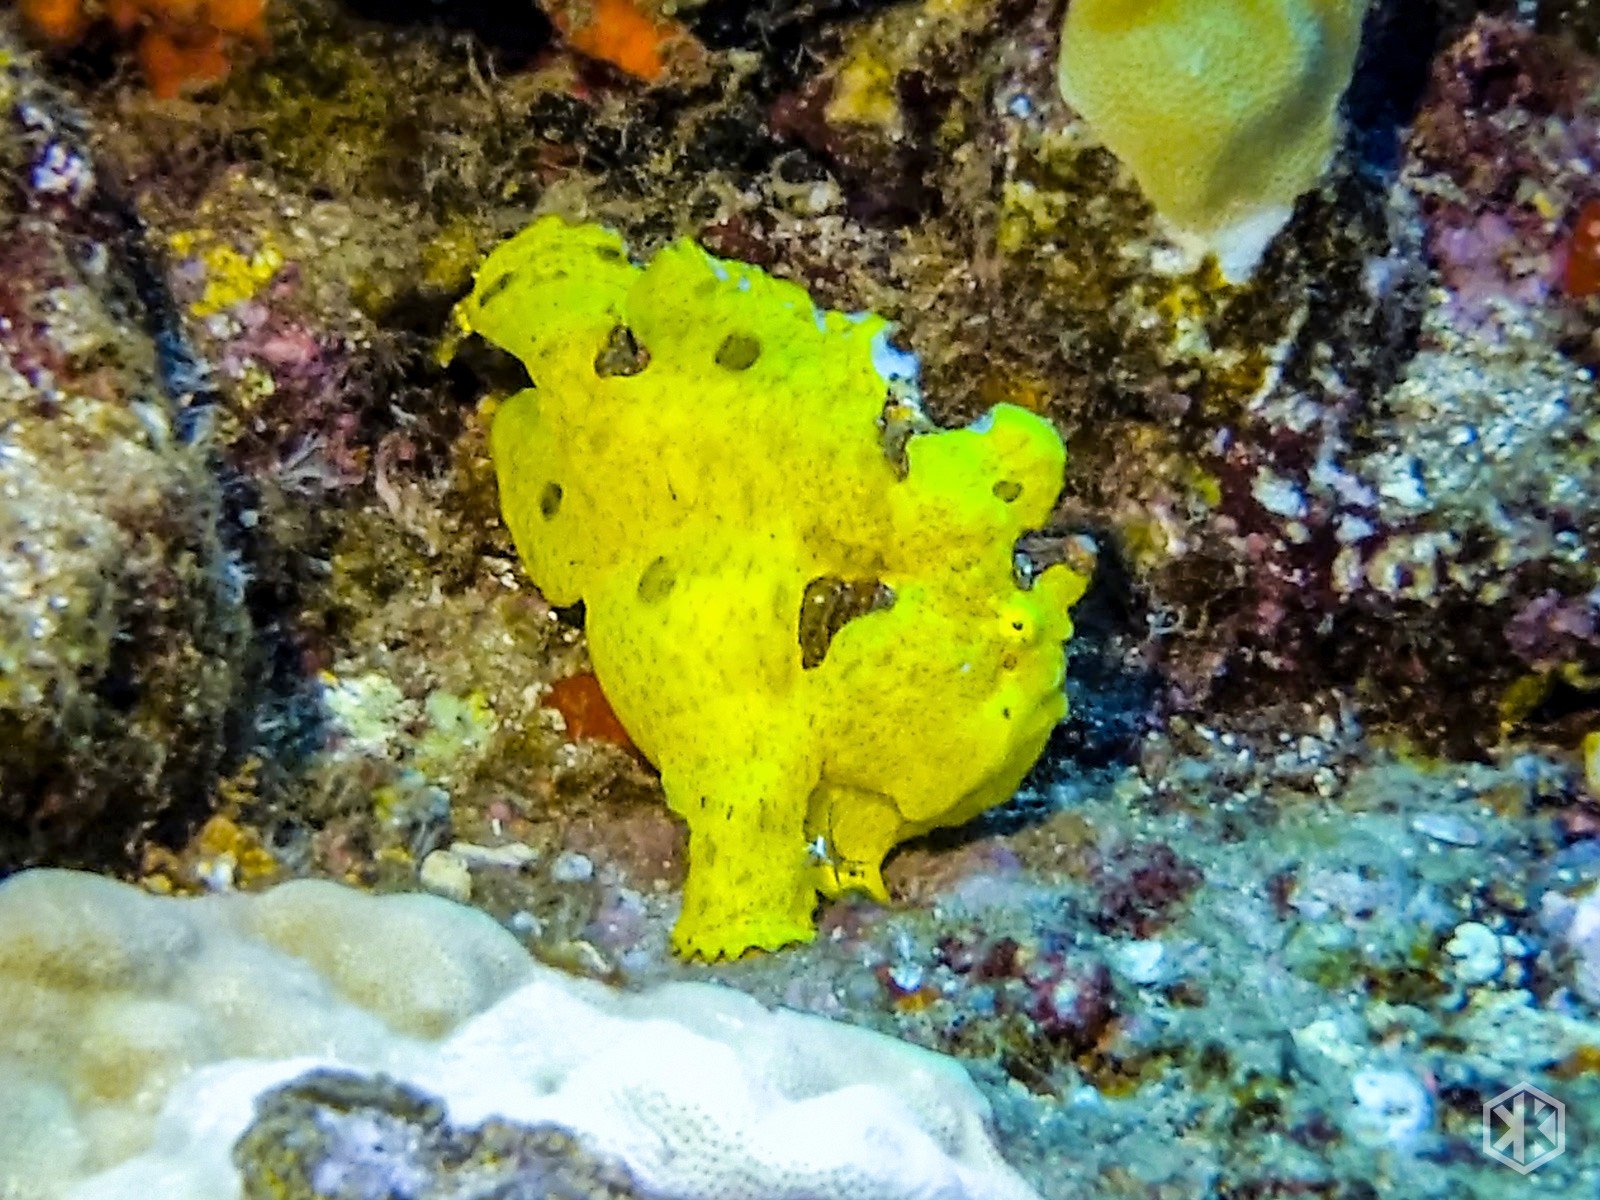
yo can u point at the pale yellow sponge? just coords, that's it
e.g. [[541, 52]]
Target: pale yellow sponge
[[1226, 111]]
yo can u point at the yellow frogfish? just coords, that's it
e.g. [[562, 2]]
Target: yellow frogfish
[[803, 600]]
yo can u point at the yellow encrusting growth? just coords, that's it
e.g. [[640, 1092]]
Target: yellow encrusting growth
[[1224, 110], [820, 643], [231, 277]]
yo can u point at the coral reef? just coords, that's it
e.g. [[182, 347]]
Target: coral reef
[[140, 1031], [1501, 186], [1308, 876], [823, 647], [1376, 947]]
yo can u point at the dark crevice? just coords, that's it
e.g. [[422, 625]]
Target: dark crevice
[[514, 32]]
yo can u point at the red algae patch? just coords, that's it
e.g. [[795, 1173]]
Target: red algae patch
[[586, 710], [1582, 275]]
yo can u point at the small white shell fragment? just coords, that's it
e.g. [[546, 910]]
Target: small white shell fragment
[[511, 856], [1391, 1107], [1443, 827]]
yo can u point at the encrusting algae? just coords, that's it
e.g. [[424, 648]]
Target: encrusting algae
[[814, 629]]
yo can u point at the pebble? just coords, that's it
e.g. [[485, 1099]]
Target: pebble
[[906, 977], [1476, 949], [860, 989], [1330, 1039], [445, 874], [512, 856], [981, 1002], [1576, 922], [1141, 963], [1391, 1106], [572, 867], [1451, 830], [1086, 1097], [524, 924]]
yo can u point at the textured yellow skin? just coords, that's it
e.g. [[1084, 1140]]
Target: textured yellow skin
[[1224, 110], [698, 498]]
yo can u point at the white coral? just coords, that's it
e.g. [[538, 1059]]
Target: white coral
[[136, 1032]]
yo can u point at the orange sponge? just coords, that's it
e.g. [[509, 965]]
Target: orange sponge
[[59, 21], [621, 32], [179, 42]]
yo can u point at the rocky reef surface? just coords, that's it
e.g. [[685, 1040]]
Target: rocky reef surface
[[1312, 870], [335, 1135], [125, 642]]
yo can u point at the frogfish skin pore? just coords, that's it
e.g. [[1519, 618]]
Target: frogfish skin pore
[[802, 599]]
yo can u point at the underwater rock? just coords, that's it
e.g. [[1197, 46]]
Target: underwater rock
[[1576, 923], [340, 1136], [124, 641], [1498, 157]]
